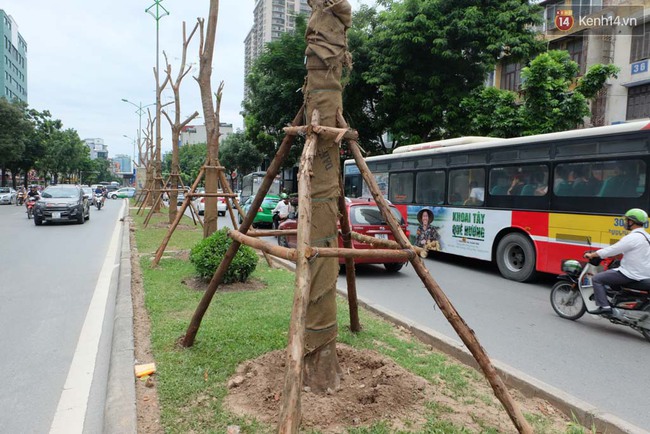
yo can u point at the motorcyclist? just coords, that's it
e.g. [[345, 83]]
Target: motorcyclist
[[33, 192], [635, 264], [99, 191], [281, 210]]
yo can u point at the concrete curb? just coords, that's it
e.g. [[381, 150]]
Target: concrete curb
[[587, 414], [120, 414]]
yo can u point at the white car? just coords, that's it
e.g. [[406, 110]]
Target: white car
[[199, 203], [7, 195]]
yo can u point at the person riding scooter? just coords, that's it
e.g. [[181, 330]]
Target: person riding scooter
[[100, 194], [281, 210], [635, 265], [33, 192]]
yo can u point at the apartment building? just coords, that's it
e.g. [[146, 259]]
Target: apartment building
[[271, 18], [97, 148], [13, 69], [195, 134], [599, 31]]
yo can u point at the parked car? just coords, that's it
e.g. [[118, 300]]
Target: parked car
[[366, 219], [62, 202], [7, 195], [264, 216], [122, 193], [199, 202]]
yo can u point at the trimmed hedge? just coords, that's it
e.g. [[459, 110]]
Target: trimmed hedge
[[208, 254]]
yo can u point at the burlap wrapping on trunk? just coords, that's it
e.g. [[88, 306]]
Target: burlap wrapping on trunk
[[326, 53]]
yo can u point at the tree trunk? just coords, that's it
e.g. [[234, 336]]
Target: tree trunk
[[326, 53], [206, 50]]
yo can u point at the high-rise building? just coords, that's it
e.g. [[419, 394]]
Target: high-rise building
[[272, 18], [13, 63], [97, 148]]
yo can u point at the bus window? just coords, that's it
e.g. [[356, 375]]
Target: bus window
[[527, 180], [623, 179], [467, 187], [430, 188], [400, 188], [600, 179], [353, 185]]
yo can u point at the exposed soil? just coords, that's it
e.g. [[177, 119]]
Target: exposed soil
[[198, 284], [148, 408], [372, 388]]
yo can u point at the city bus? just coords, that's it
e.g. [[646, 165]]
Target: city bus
[[525, 203], [252, 182]]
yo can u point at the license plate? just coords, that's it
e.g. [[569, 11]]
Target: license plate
[[56, 215], [381, 236]]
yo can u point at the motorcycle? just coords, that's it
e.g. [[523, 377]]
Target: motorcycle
[[99, 200], [30, 207], [573, 295], [20, 199]]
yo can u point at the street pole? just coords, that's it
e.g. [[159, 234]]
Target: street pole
[[140, 111], [157, 14]]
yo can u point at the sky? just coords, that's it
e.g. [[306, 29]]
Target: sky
[[85, 56]]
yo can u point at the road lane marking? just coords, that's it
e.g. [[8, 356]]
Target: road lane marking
[[71, 411]]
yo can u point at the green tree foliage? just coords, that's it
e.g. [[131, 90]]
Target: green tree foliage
[[274, 95], [550, 103], [360, 97], [191, 158], [552, 99], [427, 55], [14, 130], [65, 154], [236, 152], [489, 112]]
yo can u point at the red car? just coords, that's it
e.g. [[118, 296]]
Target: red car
[[365, 218]]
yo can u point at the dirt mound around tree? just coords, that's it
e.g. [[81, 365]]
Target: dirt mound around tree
[[372, 388]]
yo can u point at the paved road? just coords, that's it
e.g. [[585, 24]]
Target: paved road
[[598, 362], [49, 275]]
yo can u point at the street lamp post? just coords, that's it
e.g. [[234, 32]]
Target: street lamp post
[[158, 11], [139, 112]]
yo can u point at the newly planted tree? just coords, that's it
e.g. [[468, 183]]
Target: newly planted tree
[[176, 124], [210, 114]]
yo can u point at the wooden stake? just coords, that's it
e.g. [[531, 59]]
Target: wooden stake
[[217, 278], [350, 272], [290, 413], [462, 329]]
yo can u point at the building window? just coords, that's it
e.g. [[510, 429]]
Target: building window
[[638, 102], [511, 76], [640, 43]]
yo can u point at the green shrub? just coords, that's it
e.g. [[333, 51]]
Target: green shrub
[[208, 254]]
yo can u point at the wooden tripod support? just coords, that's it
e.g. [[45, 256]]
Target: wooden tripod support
[[401, 249]]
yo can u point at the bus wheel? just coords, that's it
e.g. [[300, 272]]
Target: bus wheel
[[516, 258]]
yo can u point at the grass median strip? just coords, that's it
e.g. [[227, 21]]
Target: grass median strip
[[245, 324]]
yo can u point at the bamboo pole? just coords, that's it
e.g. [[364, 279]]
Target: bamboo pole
[[272, 232], [279, 251], [350, 273], [172, 227], [462, 329], [290, 413], [217, 278], [386, 244]]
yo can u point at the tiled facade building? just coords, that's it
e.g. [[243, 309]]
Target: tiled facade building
[[13, 69]]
